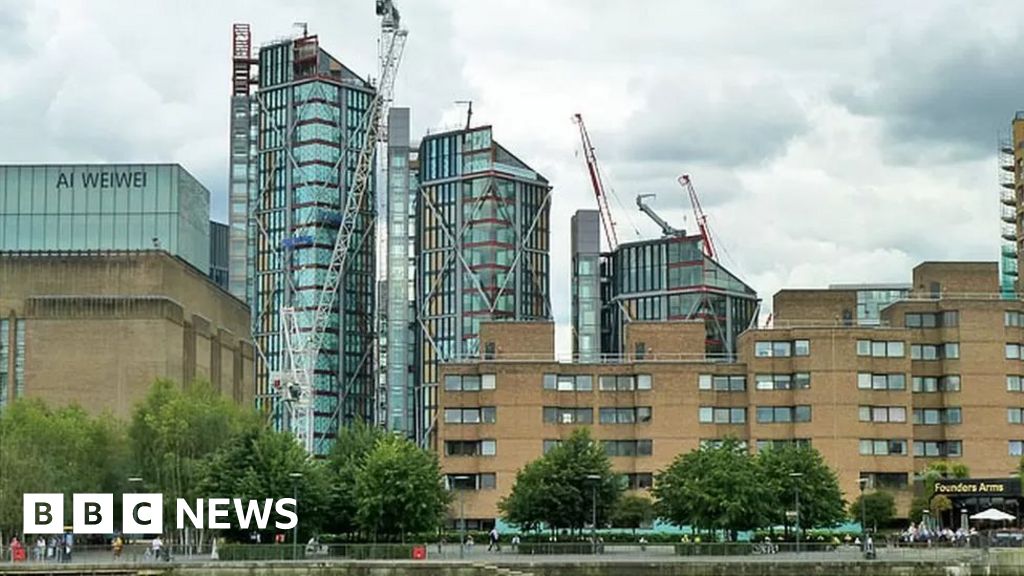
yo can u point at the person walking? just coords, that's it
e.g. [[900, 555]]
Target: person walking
[[156, 546], [493, 542], [117, 546], [40, 552]]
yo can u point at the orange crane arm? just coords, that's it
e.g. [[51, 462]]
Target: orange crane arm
[[595, 181], [699, 215]]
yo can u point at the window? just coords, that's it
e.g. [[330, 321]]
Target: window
[[1016, 447], [1013, 351], [782, 348], [882, 413], [569, 382], [711, 414], [640, 414], [628, 447], [468, 382], [1015, 415], [885, 480], [939, 448], [644, 381], [783, 414], [611, 383], [866, 381], [880, 348], [550, 444], [948, 319], [883, 447], [470, 447], [773, 443], [949, 350], [1013, 318], [639, 481], [721, 383], [1013, 383], [936, 416], [800, 380], [483, 481], [559, 415], [947, 383], [715, 443], [486, 415]]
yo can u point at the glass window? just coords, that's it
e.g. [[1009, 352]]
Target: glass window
[[781, 349], [802, 347], [762, 349], [488, 447], [738, 415], [453, 415], [584, 383], [705, 414], [550, 382], [895, 350], [704, 382], [1016, 448], [452, 382], [487, 381], [644, 381], [863, 348], [488, 481], [471, 383], [1013, 383], [489, 414], [952, 350]]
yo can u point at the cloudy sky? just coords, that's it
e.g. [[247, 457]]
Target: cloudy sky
[[830, 142]]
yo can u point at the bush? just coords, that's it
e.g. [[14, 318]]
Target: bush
[[559, 548], [258, 552]]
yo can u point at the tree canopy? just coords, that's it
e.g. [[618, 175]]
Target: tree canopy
[[562, 488], [791, 468], [879, 508], [715, 487]]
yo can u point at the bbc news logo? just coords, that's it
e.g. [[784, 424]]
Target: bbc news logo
[[143, 514]]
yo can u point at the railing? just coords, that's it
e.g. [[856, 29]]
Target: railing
[[527, 357]]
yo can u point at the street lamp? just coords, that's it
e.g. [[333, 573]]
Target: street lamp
[[295, 476], [594, 479], [863, 530], [462, 513], [796, 478]]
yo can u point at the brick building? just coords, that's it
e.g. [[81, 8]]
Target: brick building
[[938, 374], [98, 328]]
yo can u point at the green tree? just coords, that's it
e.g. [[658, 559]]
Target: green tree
[[400, 490], [259, 464], [55, 450], [821, 500], [555, 490], [633, 511], [715, 487], [927, 500], [879, 508], [341, 469]]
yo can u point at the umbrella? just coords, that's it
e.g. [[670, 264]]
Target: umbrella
[[993, 514]]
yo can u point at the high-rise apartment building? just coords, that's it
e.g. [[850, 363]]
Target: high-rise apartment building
[[398, 307], [307, 115], [938, 376], [482, 251], [586, 285], [1011, 197]]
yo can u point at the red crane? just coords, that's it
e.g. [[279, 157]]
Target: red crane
[[595, 181], [699, 215]]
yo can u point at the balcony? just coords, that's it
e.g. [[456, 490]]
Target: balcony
[[1008, 214], [1009, 251], [1009, 232], [1008, 197]]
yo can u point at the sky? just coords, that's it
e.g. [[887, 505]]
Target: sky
[[838, 142]]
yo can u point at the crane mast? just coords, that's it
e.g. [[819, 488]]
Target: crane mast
[[699, 215], [598, 185], [303, 343]]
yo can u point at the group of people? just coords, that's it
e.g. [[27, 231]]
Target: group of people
[[55, 548], [922, 533]]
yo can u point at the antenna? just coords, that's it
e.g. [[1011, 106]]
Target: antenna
[[469, 110], [304, 26]]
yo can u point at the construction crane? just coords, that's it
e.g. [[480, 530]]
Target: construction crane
[[469, 111], [598, 185], [666, 228], [303, 343], [699, 216]]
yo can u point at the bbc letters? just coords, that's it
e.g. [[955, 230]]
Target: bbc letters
[[144, 513]]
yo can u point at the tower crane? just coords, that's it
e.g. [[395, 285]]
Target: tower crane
[[666, 228], [699, 215], [598, 185], [303, 339]]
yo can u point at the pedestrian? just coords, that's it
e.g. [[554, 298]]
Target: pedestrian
[[156, 546], [69, 542], [17, 550], [643, 544], [494, 543], [40, 553], [515, 543], [469, 542], [117, 546]]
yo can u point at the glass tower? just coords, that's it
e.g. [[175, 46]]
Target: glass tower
[[586, 285], [482, 250], [310, 126]]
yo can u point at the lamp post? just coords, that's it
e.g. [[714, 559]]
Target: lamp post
[[295, 476], [593, 479], [863, 523], [796, 476], [132, 482], [462, 514]]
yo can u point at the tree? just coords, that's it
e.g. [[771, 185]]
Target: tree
[[879, 508], [258, 464], [399, 489], [821, 500], [55, 450], [715, 487], [555, 490], [927, 500], [341, 469], [632, 511]]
